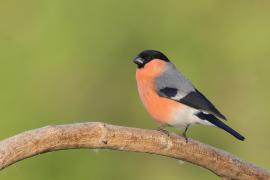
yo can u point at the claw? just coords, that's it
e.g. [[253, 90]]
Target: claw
[[164, 131], [185, 134], [161, 129]]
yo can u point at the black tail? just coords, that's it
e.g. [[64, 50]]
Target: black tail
[[212, 119]]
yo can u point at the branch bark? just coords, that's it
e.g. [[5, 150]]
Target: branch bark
[[101, 135]]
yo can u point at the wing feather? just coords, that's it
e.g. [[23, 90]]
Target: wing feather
[[173, 85]]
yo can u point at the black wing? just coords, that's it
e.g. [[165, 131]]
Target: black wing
[[194, 99]]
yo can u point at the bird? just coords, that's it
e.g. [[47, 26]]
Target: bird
[[171, 99]]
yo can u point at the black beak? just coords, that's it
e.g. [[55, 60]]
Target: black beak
[[138, 60]]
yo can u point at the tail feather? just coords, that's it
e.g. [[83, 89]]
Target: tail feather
[[212, 119]]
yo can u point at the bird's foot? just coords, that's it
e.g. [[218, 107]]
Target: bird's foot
[[185, 136], [161, 129]]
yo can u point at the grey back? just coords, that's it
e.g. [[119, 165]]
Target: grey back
[[172, 78]]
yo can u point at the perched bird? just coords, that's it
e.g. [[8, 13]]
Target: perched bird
[[170, 98]]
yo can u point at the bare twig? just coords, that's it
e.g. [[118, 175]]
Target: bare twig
[[100, 135]]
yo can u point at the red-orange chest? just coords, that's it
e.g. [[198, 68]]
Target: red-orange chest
[[158, 107]]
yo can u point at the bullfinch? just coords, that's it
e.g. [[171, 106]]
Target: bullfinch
[[170, 98]]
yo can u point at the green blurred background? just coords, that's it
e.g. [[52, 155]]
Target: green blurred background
[[71, 61]]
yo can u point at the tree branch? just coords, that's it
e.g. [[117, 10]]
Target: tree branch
[[100, 135]]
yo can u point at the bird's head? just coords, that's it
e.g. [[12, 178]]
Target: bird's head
[[148, 55]]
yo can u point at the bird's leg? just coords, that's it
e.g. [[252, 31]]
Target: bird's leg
[[161, 129], [185, 133]]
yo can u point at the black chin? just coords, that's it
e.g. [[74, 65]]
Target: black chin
[[139, 66]]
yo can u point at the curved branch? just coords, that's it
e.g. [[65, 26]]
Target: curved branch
[[100, 135]]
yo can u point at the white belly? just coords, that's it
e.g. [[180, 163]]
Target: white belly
[[185, 116]]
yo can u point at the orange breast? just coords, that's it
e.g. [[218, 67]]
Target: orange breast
[[158, 107]]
